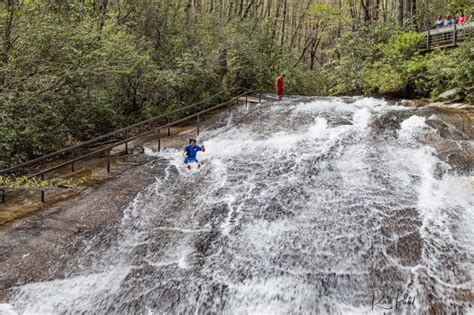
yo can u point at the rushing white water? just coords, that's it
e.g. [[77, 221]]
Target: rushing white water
[[303, 207]]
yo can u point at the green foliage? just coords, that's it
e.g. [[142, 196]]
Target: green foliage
[[389, 73], [442, 70], [67, 80], [303, 81], [400, 46], [32, 184], [456, 6], [253, 61], [325, 13], [74, 71], [373, 59]]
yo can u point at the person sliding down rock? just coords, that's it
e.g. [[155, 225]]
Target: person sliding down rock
[[190, 151]]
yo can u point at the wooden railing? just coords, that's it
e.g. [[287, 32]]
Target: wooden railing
[[107, 148], [120, 133], [445, 37]]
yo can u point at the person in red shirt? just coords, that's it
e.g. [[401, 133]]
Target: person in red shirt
[[280, 86], [462, 19]]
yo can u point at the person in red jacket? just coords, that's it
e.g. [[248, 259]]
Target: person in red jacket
[[280, 86], [462, 19]]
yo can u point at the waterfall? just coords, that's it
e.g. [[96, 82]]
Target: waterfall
[[301, 207]]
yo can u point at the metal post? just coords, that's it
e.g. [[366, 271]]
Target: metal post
[[159, 140], [3, 195], [108, 161], [197, 129], [428, 39], [42, 191], [454, 35], [246, 100], [169, 127]]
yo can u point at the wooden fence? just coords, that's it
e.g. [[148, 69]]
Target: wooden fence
[[448, 36]]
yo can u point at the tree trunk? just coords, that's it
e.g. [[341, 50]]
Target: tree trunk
[[269, 8], [285, 6], [366, 8], [275, 22], [229, 12], [7, 42], [400, 12], [298, 26], [375, 15], [187, 20], [247, 10], [81, 8], [102, 13], [241, 8], [223, 68]]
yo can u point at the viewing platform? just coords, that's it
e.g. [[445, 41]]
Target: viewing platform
[[448, 36]]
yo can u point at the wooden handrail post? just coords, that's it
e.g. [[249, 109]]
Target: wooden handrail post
[[42, 190], [126, 142], [3, 195], [259, 98], [454, 35], [108, 161], [169, 127], [197, 127], [72, 164], [159, 140], [246, 100], [428, 39]]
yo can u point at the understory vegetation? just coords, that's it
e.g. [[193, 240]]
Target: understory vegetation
[[72, 70]]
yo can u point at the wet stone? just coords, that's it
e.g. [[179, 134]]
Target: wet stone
[[310, 206]]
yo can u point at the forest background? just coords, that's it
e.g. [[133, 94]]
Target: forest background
[[75, 69]]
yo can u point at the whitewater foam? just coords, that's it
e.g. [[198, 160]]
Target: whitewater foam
[[305, 208]]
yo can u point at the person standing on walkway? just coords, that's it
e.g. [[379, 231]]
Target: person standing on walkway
[[462, 19], [452, 20], [449, 21], [280, 86], [439, 22]]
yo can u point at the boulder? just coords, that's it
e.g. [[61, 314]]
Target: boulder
[[449, 94], [138, 149]]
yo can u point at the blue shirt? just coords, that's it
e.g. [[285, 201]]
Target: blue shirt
[[191, 151]]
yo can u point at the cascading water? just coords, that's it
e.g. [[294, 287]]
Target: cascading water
[[304, 207]]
